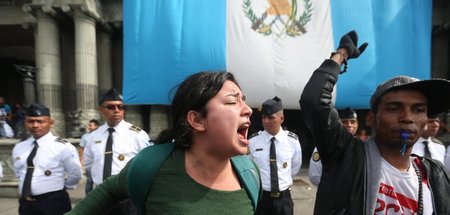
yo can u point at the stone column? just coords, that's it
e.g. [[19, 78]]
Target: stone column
[[70, 87], [86, 66], [30, 92], [29, 84], [105, 81], [159, 119], [133, 115], [48, 65]]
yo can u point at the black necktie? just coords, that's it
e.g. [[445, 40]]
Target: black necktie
[[26, 188], [273, 167], [426, 150], [108, 155]]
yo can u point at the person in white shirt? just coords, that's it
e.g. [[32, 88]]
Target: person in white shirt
[[278, 154], [377, 176], [45, 165], [109, 148], [5, 130], [428, 145], [92, 125], [349, 120]]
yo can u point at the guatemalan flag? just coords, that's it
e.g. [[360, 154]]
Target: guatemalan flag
[[271, 46]]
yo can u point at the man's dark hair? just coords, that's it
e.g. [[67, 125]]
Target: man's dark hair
[[96, 122]]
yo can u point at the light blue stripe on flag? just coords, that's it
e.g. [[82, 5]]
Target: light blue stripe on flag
[[161, 45], [167, 40], [399, 36]]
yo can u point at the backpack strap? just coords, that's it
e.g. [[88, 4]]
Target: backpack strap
[[248, 174], [142, 171]]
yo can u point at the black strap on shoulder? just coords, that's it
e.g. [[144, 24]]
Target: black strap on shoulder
[[142, 171]]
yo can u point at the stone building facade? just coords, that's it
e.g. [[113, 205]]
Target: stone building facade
[[64, 54]]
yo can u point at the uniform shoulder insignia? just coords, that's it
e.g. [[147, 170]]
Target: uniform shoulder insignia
[[254, 134], [436, 140], [293, 135], [59, 140], [135, 128]]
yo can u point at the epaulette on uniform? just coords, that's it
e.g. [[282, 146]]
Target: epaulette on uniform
[[254, 135], [436, 140], [59, 140], [135, 128], [293, 135]]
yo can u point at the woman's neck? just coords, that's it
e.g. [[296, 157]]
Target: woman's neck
[[210, 171]]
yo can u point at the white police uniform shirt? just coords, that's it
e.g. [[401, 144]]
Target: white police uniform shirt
[[315, 168], [437, 150], [56, 164], [288, 152], [8, 131], [128, 140]]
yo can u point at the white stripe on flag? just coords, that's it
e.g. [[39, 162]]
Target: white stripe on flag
[[276, 64]]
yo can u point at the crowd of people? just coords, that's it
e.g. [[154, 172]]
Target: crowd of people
[[208, 163]]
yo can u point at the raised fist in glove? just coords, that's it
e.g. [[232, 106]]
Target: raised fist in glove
[[350, 43]]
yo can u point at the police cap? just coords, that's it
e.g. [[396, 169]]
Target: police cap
[[37, 110], [271, 106], [347, 113], [110, 95]]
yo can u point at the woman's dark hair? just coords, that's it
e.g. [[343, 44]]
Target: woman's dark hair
[[164, 136], [193, 94]]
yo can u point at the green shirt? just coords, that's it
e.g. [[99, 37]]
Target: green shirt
[[173, 191]]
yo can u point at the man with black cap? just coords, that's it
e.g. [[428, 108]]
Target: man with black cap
[[428, 145], [278, 155], [45, 165], [377, 176], [112, 145], [349, 120]]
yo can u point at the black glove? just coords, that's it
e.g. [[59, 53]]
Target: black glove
[[350, 42]]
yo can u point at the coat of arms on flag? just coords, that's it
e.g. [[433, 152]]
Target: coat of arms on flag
[[280, 17]]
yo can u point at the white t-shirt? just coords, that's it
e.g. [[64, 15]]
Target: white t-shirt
[[398, 192]]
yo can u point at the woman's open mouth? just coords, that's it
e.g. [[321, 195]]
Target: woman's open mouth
[[243, 131]]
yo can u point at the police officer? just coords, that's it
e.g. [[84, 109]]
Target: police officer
[[349, 120], [278, 155], [112, 145], [92, 125], [428, 145], [45, 165]]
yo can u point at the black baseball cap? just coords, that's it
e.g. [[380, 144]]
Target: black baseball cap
[[437, 91]]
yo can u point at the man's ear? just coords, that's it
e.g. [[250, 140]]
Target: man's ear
[[370, 119], [195, 120], [51, 122]]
